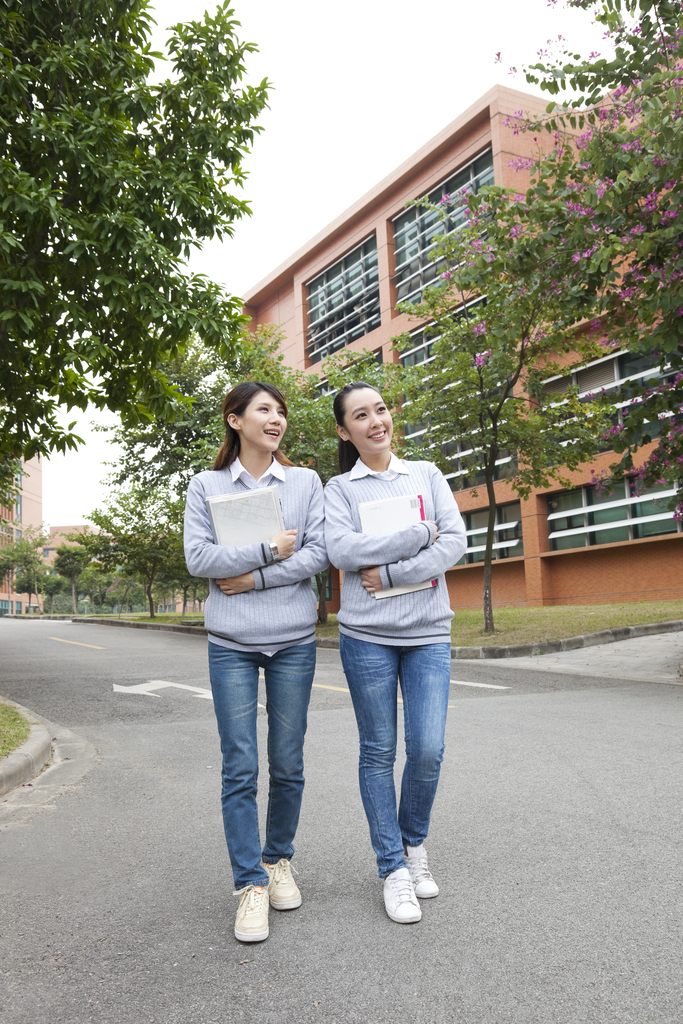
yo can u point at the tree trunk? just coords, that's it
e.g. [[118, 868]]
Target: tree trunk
[[73, 597], [321, 579], [151, 601], [488, 554], [184, 611]]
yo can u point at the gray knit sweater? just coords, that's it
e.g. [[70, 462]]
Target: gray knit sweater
[[281, 611], [409, 556]]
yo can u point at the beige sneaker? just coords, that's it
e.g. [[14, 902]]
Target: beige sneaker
[[251, 923], [282, 889]]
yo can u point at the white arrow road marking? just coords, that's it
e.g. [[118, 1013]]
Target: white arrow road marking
[[161, 684], [485, 686]]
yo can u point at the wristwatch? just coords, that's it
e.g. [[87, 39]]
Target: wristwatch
[[274, 550]]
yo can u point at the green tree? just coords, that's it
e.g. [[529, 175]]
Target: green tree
[[139, 531], [22, 559], [51, 585], [625, 189], [70, 561], [108, 182], [480, 397]]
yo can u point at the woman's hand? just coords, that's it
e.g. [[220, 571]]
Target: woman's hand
[[371, 579], [286, 542], [237, 584], [436, 529]]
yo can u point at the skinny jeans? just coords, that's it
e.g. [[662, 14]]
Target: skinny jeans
[[234, 682], [374, 672]]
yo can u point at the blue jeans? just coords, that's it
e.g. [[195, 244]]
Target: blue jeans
[[234, 682], [372, 672]]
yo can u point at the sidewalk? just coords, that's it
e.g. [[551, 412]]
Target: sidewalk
[[655, 659]]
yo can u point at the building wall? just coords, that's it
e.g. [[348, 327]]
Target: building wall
[[650, 569], [27, 513]]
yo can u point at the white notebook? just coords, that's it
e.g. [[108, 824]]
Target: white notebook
[[389, 515], [245, 517]]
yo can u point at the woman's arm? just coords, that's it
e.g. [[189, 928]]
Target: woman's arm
[[311, 556], [351, 551], [440, 556], [206, 558]]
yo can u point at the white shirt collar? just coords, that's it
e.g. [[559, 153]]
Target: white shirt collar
[[361, 470], [275, 469]]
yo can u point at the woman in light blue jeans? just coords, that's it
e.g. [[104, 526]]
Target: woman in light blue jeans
[[402, 639], [260, 614]]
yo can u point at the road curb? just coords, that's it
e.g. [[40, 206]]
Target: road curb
[[572, 643], [168, 627], [24, 763]]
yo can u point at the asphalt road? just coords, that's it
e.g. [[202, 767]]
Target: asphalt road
[[556, 840]]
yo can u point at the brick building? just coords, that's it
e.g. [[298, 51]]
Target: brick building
[[340, 292]]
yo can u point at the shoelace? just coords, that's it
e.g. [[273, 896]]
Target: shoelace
[[402, 889], [282, 869], [419, 870], [255, 897]]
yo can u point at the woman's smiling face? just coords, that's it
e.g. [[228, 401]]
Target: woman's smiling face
[[262, 424], [367, 422]]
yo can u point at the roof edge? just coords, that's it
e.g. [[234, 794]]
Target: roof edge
[[391, 180]]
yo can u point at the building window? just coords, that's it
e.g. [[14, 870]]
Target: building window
[[583, 518], [417, 231], [507, 541], [343, 302], [4, 608]]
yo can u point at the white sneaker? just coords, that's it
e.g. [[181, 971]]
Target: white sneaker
[[251, 923], [420, 875], [282, 889], [399, 897]]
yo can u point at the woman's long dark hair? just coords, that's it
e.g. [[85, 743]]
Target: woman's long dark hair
[[348, 454], [236, 402]]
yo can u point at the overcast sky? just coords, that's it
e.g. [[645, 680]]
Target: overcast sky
[[357, 89]]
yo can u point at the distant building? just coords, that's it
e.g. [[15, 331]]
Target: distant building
[[27, 511], [59, 535], [339, 292]]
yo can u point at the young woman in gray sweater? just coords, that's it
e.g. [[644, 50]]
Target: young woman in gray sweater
[[260, 613], [401, 639]]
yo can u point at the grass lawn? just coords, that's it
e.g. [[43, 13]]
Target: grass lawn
[[534, 625], [14, 729]]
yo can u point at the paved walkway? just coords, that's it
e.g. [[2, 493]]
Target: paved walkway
[[556, 840], [658, 659]]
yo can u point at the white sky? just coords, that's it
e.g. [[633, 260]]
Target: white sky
[[357, 89]]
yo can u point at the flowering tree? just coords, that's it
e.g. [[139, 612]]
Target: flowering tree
[[504, 320], [626, 187]]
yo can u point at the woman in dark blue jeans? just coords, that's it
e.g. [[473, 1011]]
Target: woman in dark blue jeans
[[260, 613], [402, 639]]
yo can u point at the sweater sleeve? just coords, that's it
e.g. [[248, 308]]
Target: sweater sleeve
[[350, 551], [206, 558], [448, 548], [310, 558]]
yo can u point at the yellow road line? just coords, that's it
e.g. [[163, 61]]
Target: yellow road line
[[94, 646]]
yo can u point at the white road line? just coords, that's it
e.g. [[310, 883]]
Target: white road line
[[161, 684], [485, 686]]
